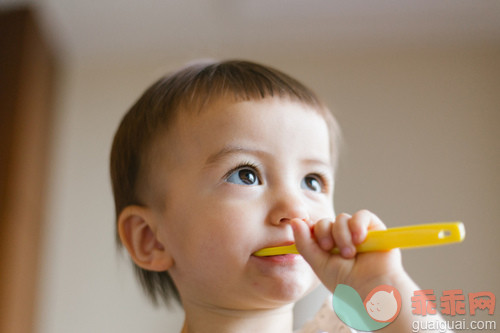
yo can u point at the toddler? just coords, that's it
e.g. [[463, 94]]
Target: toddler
[[219, 160]]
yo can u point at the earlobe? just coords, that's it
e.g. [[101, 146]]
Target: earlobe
[[135, 227]]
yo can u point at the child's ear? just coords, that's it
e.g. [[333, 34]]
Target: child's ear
[[135, 229]]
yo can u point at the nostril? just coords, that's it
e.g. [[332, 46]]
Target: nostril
[[281, 221], [287, 206]]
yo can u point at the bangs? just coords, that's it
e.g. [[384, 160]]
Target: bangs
[[199, 85]]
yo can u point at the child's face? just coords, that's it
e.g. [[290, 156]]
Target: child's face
[[234, 175]]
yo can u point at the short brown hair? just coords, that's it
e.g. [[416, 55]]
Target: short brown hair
[[189, 90]]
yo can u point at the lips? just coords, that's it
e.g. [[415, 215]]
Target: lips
[[282, 259]]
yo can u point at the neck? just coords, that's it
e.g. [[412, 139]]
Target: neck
[[210, 319]]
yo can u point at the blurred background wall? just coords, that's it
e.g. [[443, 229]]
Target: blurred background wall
[[415, 86]]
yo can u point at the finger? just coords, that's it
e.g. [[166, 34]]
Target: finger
[[342, 236], [361, 222], [307, 245], [376, 223], [323, 233]]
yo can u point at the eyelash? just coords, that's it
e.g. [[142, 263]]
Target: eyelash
[[325, 180], [248, 164]]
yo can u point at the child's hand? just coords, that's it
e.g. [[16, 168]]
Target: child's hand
[[360, 271]]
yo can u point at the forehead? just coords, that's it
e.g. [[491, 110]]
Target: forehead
[[224, 110], [272, 122]]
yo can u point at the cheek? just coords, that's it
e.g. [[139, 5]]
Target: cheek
[[212, 227], [232, 211], [322, 209]]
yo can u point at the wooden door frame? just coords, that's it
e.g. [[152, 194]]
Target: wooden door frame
[[26, 87]]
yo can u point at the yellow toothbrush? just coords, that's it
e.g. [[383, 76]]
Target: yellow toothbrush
[[400, 237]]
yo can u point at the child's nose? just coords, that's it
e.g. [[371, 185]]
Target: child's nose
[[288, 206]]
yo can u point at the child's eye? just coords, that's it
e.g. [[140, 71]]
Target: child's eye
[[313, 183], [244, 175]]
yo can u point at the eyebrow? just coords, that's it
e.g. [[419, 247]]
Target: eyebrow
[[236, 149], [232, 149]]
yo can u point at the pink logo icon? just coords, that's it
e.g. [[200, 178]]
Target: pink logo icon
[[383, 303]]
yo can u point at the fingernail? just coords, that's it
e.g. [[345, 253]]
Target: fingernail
[[347, 252], [359, 238], [325, 244]]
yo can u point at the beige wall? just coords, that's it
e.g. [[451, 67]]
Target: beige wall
[[421, 145]]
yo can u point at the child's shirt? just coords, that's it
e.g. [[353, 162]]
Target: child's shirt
[[325, 320]]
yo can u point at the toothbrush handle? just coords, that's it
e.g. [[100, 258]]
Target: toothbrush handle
[[412, 236], [400, 237]]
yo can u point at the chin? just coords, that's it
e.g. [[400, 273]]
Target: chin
[[292, 290]]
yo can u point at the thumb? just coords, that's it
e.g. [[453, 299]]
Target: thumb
[[308, 247]]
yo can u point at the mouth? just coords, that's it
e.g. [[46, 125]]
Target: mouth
[[280, 259]]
